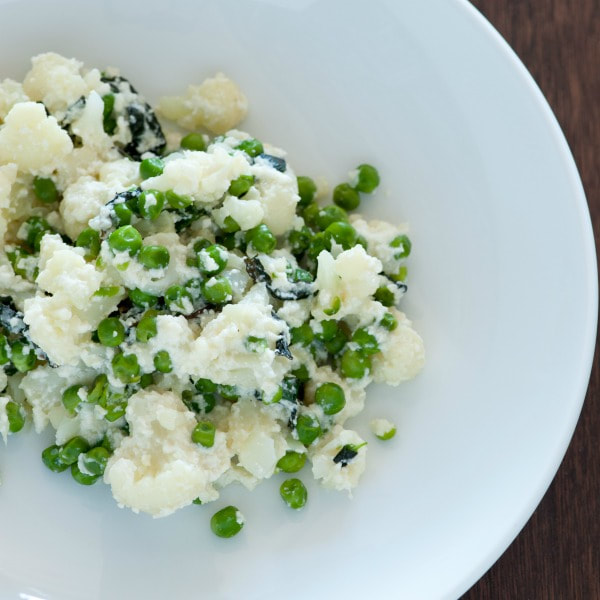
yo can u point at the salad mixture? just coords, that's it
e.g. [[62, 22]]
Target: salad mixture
[[181, 308]]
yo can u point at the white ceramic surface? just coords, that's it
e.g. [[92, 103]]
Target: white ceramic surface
[[502, 287]]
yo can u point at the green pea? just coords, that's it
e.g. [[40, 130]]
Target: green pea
[[95, 460], [51, 458], [125, 239], [213, 259], [400, 275], [123, 213], [15, 258], [299, 240], [177, 201], [366, 341], [251, 147], [111, 332], [389, 322], [291, 462], [262, 239], [228, 240], [293, 493], [388, 435], [346, 196], [150, 204], [107, 291], [71, 398], [194, 288], [230, 225], [178, 299], [142, 299], [45, 190], [306, 190], [302, 335], [336, 304], [330, 214], [4, 349], [329, 329], [146, 380], [308, 429], [330, 397], [367, 179], [229, 392], [310, 213], [36, 229], [318, 243], [154, 257], [354, 364], [70, 452], [15, 416], [343, 233], [151, 167], [404, 245], [193, 141], [162, 362], [206, 386], [115, 404], [200, 244], [23, 356], [126, 368], [99, 391], [197, 501], [255, 344], [90, 240], [82, 478], [204, 434], [227, 522], [301, 373], [336, 343], [385, 296], [146, 328], [240, 186], [217, 290]]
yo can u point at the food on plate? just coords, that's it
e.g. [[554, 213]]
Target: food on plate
[[181, 308]]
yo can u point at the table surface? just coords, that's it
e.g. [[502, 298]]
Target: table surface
[[557, 555]]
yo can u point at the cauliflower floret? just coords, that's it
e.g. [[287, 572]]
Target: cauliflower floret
[[402, 353], [204, 175], [217, 104], [63, 270], [352, 277], [221, 353], [255, 437], [56, 81], [343, 475], [379, 236], [158, 469], [56, 328], [81, 202], [278, 195], [33, 141], [11, 92]]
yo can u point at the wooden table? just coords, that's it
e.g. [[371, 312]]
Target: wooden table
[[557, 555]]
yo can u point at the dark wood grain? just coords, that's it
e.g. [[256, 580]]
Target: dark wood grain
[[557, 555]]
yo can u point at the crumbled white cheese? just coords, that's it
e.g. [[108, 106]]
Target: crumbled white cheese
[[381, 427], [11, 92]]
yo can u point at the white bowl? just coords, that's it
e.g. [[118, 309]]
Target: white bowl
[[502, 287]]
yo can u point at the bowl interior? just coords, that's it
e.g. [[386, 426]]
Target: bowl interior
[[501, 287]]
